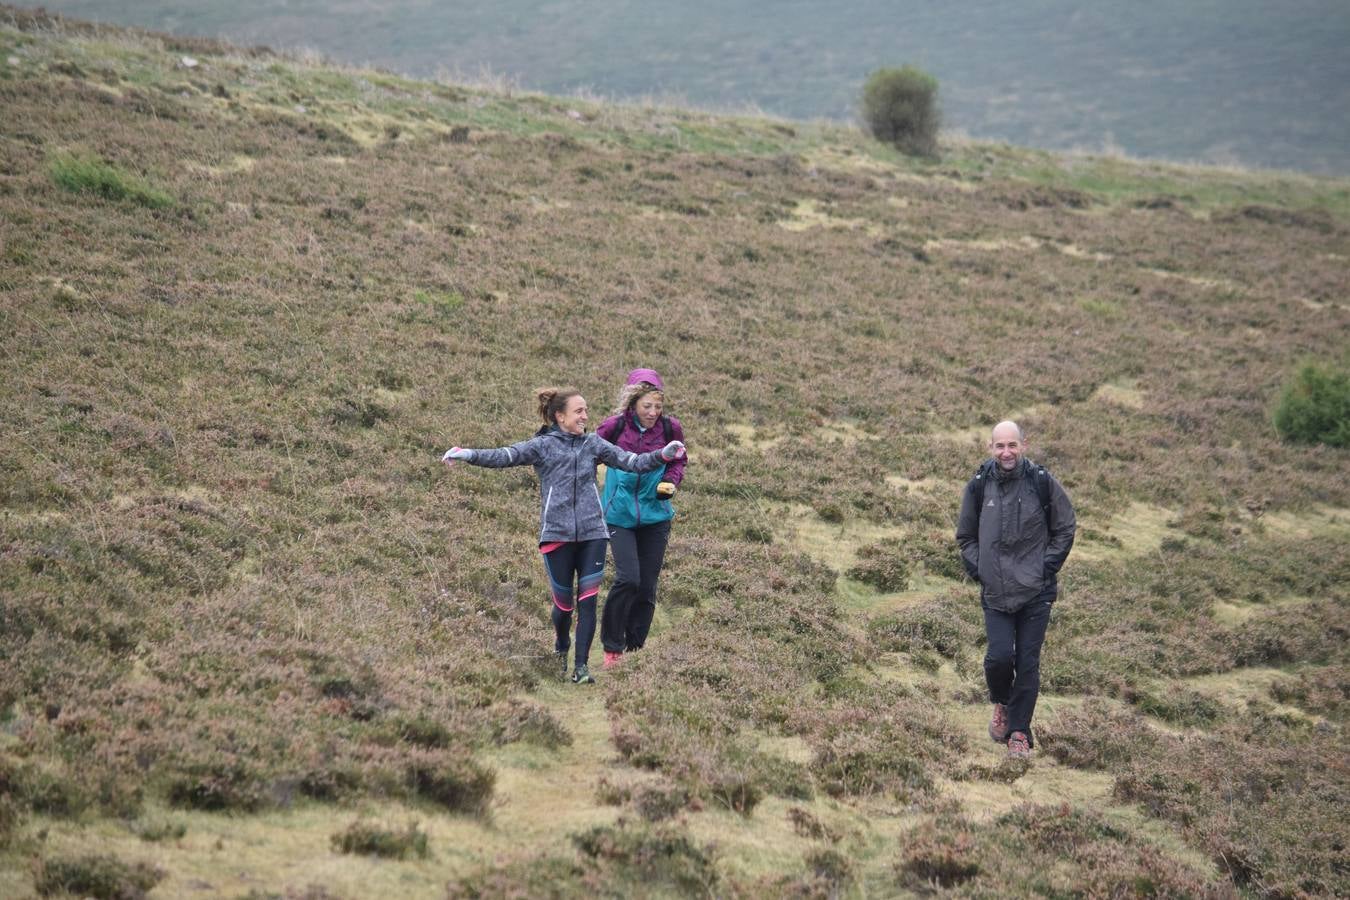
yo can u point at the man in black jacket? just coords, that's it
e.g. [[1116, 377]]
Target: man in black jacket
[[1015, 531]]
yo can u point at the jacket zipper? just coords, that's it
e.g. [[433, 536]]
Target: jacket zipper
[[637, 501], [576, 523]]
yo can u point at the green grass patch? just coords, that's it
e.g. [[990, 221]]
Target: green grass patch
[[82, 174]]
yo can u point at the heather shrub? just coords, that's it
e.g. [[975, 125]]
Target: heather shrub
[[646, 854], [947, 626], [1314, 406], [1095, 736], [48, 790], [11, 812], [899, 107], [423, 731], [520, 721], [374, 839], [831, 867], [882, 565], [858, 763], [156, 830], [101, 876], [226, 782], [607, 793], [1324, 692], [1179, 706], [548, 877], [1291, 786], [660, 801], [451, 780], [938, 854], [808, 825], [1037, 850], [876, 743], [936, 553]]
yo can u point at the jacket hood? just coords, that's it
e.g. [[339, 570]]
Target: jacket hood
[[651, 376]]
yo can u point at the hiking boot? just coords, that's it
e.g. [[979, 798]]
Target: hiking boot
[[1018, 746], [561, 662], [612, 659], [582, 675], [998, 725]]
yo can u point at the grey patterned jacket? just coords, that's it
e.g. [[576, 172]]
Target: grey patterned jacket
[[570, 508]]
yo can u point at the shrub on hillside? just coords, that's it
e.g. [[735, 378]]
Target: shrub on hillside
[[1043, 851], [452, 780], [540, 876], [1323, 692], [937, 553], [899, 106], [882, 565], [651, 855], [1291, 790], [105, 877], [372, 839], [660, 801], [875, 743], [1095, 737], [1314, 407], [218, 783], [947, 626]]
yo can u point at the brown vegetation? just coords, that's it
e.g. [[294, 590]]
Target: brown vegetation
[[234, 578]]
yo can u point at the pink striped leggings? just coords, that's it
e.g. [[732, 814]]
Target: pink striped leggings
[[584, 562]]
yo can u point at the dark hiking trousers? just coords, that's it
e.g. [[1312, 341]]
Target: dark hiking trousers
[[631, 603], [1012, 662], [583, 561]]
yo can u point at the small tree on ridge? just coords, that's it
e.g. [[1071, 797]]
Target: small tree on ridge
[[899, 106]]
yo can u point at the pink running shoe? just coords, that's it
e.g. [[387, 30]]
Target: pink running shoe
[[1018, 746], [612, 659], [998, 725]]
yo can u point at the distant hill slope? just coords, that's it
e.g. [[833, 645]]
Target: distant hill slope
[[1232, 82], [253, 634]]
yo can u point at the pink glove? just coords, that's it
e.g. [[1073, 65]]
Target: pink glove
[[672, 451]]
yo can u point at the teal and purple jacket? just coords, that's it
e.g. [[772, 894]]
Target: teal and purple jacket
[[630, 499]]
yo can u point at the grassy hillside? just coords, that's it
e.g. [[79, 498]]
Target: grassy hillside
[[1227, 81], [248, 620]]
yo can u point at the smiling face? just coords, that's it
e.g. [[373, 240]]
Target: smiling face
[[574, 416], [1007, 445], [648, 408]]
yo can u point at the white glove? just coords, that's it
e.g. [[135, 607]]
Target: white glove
[[672, 451], [456, 453]]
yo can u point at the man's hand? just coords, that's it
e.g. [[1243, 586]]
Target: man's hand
[[672, 451]]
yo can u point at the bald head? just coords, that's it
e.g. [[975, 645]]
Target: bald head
[[1007, 444]]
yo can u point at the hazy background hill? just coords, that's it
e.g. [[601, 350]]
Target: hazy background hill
[[1224, 81]]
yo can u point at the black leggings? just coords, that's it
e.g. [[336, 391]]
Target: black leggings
[[584, 560], [631, 603]]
